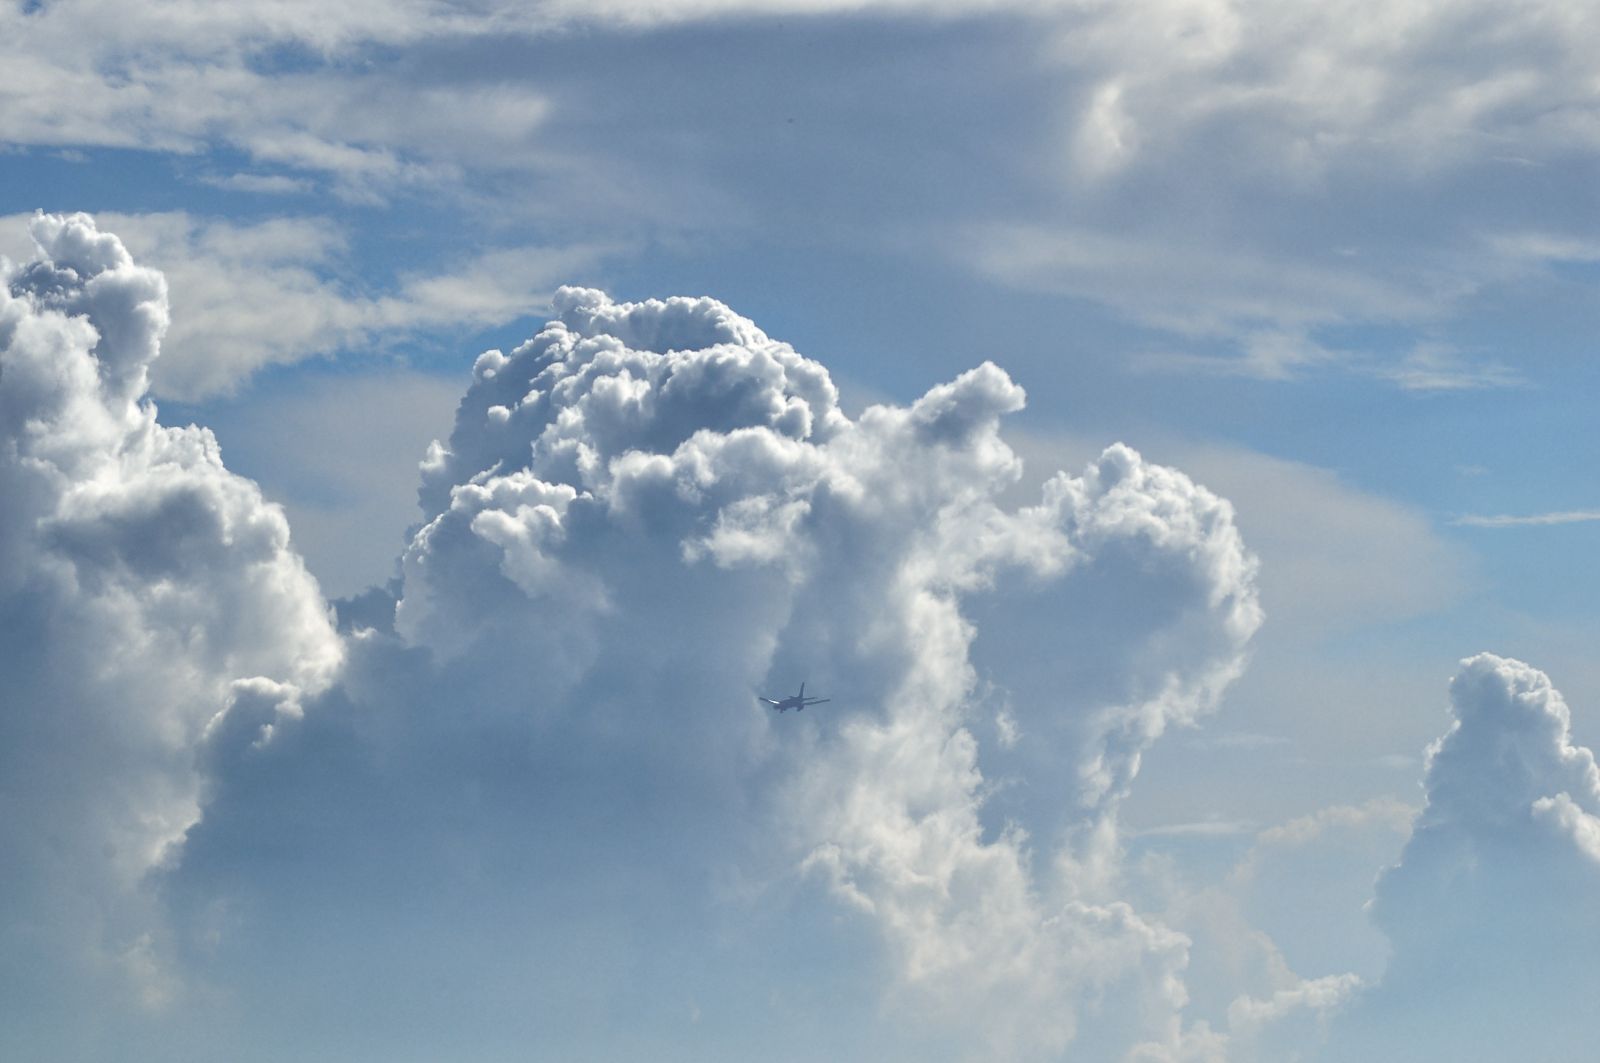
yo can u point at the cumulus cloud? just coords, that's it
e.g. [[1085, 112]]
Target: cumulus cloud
[[339, 452], [646, 514], [142, 586], [1488, 910], [249, 296], [1333, 557], [539, 750], [537, 755]]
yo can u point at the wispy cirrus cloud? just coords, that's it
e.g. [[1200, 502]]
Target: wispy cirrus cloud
[[1434, 367], [1257, 182], [1255, 178], [1506, 520], [270, 184], [1203, 828], [1427, 367]]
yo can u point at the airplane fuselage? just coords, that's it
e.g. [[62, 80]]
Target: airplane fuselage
[[798, 702]]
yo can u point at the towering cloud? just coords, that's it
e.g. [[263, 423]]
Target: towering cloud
[[141, 587], [649, 511], [1490, 910], [539, 759]]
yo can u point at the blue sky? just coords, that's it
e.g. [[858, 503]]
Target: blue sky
[[1336, 266]]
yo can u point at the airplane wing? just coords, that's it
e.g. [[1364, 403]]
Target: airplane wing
[[817, 701], [769, 701]]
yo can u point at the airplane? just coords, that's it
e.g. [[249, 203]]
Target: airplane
[[798, 703]]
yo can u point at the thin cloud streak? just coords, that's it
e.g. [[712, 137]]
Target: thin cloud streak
[[1506, 520], [1206, 828]]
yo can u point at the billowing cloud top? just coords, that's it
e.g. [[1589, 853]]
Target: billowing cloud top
[[660, 491], [539, 753], [140, 584], [1490, 909], [644, 515]]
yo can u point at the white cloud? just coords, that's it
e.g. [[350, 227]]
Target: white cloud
[[1385, 813], [1248, 174], [1435, 368], [1259, 176], [1545, 247], [1266, 303], [1203, 828], [1321, 84], [1241, 740], [1334, 556], [543, 761], [1286, 356], [1260, 1028], [1203, 287], [188, 77], [1298, 92], [248, 296], [339, 452], [1503, 520], [1488, 908], [140, 584], [1293, 902], [644, 515], [1572, 820], [270, 184]]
